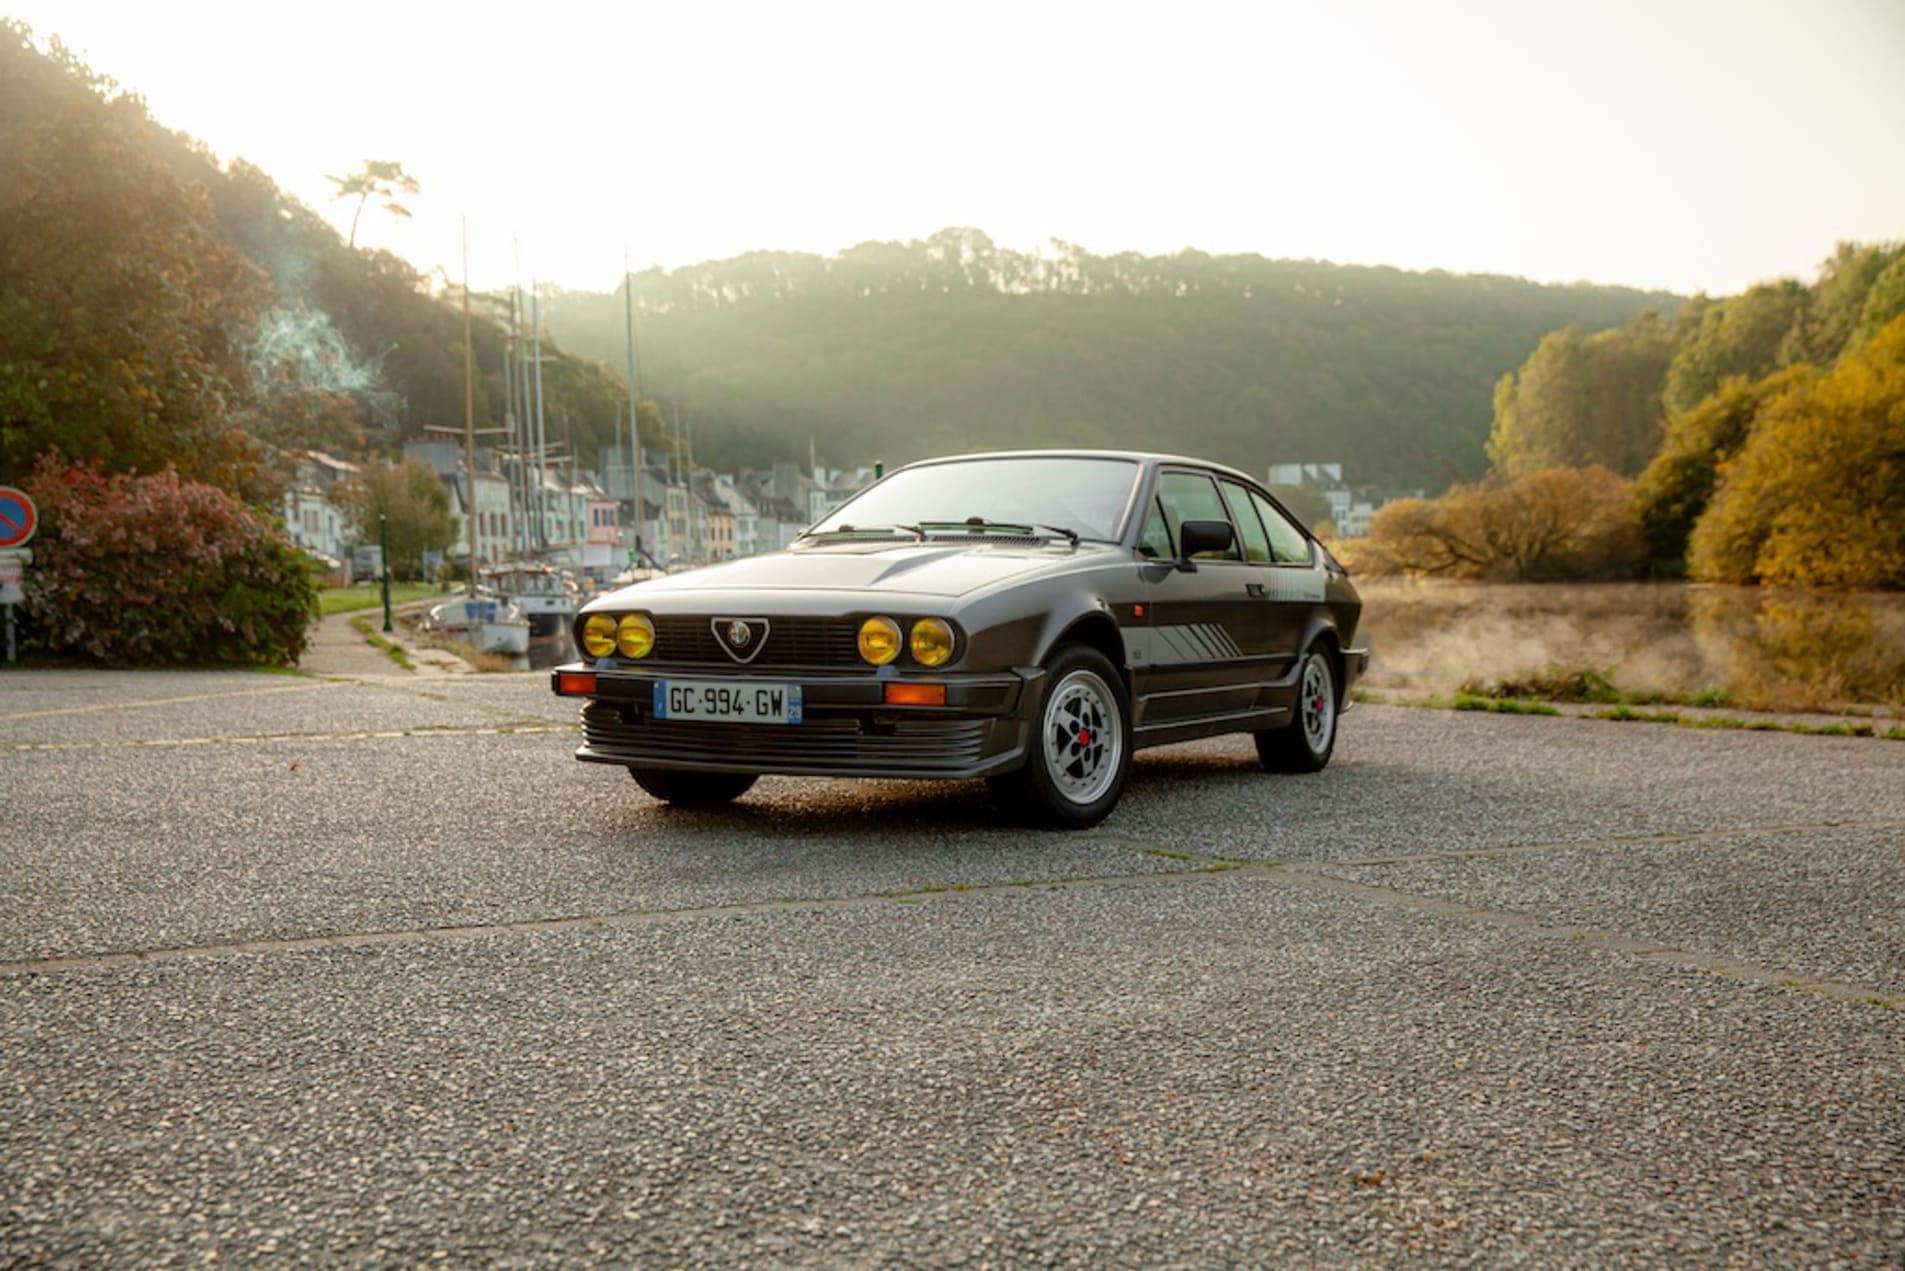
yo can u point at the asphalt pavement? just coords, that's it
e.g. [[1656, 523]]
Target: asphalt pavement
[[365, 969]]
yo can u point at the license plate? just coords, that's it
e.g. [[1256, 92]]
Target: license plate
[[728, 701]]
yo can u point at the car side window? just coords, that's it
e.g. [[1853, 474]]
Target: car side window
[[1191, 496], [1288, 544], [1156, 539], [1256, 542]]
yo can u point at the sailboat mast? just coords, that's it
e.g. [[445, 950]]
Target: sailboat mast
[[634, 429], [469, 411], [522, 388], [542, 466]]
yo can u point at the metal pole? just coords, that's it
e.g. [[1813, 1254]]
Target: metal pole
[[542, 495], [469, 412], [522, 386], [383, 539], [634, 428]]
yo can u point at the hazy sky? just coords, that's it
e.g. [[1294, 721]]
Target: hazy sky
[[1685, 144]]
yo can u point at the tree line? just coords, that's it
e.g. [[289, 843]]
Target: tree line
[[899, 350], [1757, 438]]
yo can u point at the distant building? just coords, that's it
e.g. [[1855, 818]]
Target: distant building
[[839, 485], [1351, 507], [489, 505], [313, 512]]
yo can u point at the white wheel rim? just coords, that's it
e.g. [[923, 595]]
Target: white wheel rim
[[1318, 704], [1083, 737]]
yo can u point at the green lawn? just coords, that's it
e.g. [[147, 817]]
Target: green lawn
[[371, 596]]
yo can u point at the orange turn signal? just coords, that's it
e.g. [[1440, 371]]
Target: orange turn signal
[[575, 683], [903, 694]]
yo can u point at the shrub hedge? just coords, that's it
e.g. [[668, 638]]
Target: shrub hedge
[[159, 571]]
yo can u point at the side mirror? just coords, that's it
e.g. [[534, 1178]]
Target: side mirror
[[1194, 537]]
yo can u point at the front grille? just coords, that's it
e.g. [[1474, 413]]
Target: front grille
[[815, 642], [824, 745]]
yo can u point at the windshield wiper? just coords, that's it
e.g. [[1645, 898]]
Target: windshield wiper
[[1022, 527], [918, 534]]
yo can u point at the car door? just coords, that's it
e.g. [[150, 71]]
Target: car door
[[1201, 649], [1295, 584]]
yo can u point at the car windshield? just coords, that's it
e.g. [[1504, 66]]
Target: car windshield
[[1043, 494]]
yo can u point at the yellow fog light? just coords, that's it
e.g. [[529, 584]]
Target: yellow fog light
[[635, 636], [879, 640], [932, 642], [598, 635]]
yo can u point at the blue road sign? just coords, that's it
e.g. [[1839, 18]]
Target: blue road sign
[[18, 518]]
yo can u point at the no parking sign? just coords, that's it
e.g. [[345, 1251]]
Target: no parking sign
[[18, 518]]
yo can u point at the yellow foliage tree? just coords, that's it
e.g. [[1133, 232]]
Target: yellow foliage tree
[[1555, 524], [1816, 496]]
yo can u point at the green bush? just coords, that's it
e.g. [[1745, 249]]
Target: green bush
[[158, 571]]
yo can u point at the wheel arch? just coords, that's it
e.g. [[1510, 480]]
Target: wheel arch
[[1095, 629], [1322, 634]]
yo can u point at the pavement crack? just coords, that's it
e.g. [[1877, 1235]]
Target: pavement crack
[[1308, 876], [1657, 838], [581, 922], [526, 727]]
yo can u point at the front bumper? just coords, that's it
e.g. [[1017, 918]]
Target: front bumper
[[1355, 666], [848, 729]]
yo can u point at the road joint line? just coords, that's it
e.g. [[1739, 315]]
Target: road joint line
[[98, 707], [1308, 876]]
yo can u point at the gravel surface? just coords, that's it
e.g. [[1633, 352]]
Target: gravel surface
[[869, 1023], [1823, 902]]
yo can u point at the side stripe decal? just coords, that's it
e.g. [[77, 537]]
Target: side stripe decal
[[1175, 645]]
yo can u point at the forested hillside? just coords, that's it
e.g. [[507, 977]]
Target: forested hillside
[[898, 350], [158, 307]]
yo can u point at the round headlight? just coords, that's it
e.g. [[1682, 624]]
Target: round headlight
[[635, 636], [598, 635], [931, 642], [879, 640]]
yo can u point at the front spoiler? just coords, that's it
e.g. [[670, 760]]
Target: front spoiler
[[848, 730]]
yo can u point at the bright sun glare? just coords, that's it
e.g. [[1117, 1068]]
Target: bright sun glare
[[1692, 146]]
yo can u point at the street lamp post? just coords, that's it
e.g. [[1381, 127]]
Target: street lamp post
[[383, 538]]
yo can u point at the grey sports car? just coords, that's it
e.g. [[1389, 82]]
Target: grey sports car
[[1030, 618]]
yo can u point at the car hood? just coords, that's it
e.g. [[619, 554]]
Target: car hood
[[918, 569]]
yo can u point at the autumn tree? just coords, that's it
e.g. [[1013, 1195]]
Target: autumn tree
[[383, 179], [1584, 399], [416, 506], [1556, 524], [1816, 495], [1743, 335], [1676, 487]]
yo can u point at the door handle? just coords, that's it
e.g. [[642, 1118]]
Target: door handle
[[1254, 590]]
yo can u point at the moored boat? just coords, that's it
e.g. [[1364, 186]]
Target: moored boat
[[547, 596], [491, 624]]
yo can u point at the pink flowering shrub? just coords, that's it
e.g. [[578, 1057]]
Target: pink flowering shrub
[[158, 571]]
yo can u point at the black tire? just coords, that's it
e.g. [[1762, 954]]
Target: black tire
[[1066, 784], [1306, 743], [693, 789]]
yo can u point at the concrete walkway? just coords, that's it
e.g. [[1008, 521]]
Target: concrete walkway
[[338, 648]]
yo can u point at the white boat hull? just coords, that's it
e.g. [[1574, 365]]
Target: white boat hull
[[489, 626]]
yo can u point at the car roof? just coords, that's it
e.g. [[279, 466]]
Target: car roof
[[1134, 456]]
